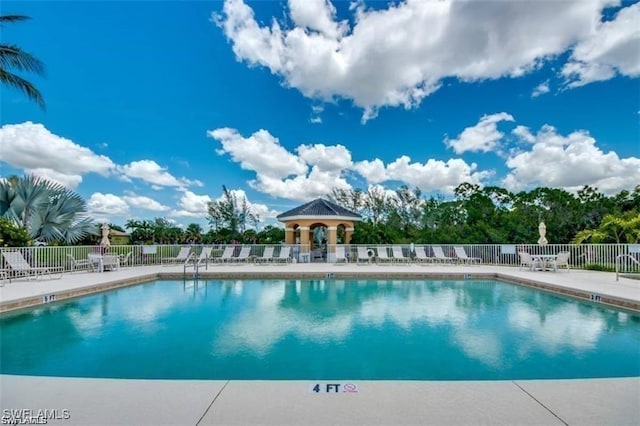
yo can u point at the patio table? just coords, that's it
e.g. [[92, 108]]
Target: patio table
[[544, 259]]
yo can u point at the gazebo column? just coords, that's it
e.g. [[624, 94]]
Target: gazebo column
[[289, 236], [333, 238], [304, 239], [348, 233]]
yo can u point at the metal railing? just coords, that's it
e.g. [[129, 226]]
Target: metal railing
[[585, 256], [618, 263], [73, 258]]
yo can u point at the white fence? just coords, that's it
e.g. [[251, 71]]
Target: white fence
[[68, 257], [585, 256]]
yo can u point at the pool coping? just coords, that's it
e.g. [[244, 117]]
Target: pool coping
[[145, 276]]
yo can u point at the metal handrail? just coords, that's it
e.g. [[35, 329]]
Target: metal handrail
[[620, 256], [186, 263]]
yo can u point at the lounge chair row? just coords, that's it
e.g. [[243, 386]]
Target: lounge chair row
[[381, 254], [228, 256]]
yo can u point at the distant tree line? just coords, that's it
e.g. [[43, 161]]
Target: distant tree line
[[34, 209], [492, 214]]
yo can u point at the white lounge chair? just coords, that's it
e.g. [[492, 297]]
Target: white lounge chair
[[182, 256], [383, 256], [340, 255], [284, 256], [527, 261], [267, 256], [226, 256], [398, 255], [77, 264], [363, 255], [561, 260], [421, 256], [204, 256], [126, 260], [243, 256], [19, 267], [462, 256], [439, 255]]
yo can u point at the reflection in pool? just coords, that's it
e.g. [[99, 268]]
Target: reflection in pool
[[322, 329]]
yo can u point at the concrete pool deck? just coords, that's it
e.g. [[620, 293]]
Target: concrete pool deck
[[139, 402]]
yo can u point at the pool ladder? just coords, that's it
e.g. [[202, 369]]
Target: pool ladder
[[196, 266]]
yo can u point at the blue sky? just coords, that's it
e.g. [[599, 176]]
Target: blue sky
[[152, 106]]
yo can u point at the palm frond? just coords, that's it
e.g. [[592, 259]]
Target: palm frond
[[12, 57], [13, 18], [22, 85], [15, 59]]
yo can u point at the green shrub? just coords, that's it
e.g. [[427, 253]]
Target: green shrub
[[600, 267], [11, 235]]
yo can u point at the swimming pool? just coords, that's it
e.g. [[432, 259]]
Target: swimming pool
[[322, 329]]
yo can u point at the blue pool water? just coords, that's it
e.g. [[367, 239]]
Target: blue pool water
[[317, 329]]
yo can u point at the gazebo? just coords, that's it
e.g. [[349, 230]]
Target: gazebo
[[318, 224]]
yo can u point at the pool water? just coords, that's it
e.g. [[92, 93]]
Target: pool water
[[322, 329]]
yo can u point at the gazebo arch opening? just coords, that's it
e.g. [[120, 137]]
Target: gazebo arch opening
[[318, 242]]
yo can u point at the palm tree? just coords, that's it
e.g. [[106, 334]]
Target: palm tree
[[624, 228], [12, 58], [193, 233], [46, 210]]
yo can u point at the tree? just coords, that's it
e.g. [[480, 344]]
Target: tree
[[45, 209], [141, 231], [230, 213], [193, 233], [271, 235], [12, 235], [405, 211], [624, 228], [13, 58]]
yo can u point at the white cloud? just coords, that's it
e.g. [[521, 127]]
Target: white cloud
[[280, 173], [260, 152], [327, 158], [611, 49], [32, 147], [568, 162], [432, 175], [143, 202], [107, 204], [151, 172], [192, 205], [317, 15], [399, 55], [541, 89], [70, 181], [483, 137], [316, 184], [373, 171], [327, 166]]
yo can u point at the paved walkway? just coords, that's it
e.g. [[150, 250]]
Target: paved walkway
[[177, 402], [162, 402]]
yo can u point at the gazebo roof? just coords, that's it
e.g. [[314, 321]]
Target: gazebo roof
[[319, 208]]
